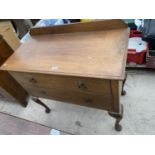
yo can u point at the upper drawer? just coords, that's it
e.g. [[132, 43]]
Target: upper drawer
[[80, 84]]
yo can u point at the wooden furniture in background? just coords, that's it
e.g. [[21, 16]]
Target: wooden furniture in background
[[81, 63], [9, 34], [9, 87]]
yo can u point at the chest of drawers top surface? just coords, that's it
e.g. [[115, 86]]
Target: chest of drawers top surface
[[93, 49]]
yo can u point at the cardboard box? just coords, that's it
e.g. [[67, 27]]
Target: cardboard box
[[9, 34]]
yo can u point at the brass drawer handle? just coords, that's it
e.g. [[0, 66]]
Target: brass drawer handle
[[32, 80], [81, 85]]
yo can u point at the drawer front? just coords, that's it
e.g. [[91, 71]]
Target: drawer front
[[79, 84], [75, 97], [82, 91]]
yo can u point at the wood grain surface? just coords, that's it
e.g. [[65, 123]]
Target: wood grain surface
[[98, 54], [96, 25]]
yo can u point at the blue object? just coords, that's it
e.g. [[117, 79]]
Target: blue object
[[55, 132], [49, 22]]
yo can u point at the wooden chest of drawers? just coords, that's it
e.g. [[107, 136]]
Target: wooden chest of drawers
[[81, 63]]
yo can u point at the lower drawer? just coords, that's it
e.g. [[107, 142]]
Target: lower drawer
[[74, 97]]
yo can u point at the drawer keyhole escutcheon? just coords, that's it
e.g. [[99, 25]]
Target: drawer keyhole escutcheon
[[32, 80], [81, 85]]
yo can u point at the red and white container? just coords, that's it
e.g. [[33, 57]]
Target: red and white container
[[137, 48]]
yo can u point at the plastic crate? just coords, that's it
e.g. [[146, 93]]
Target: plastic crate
[[133, 55]]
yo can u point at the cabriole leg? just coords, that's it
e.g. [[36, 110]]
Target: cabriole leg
[[37, 100], [118, 118], [123, 91]]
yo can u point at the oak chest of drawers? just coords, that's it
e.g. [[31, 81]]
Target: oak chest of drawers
[[81, 63]]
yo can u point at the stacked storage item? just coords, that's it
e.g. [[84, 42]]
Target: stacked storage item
[[137, 48]]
